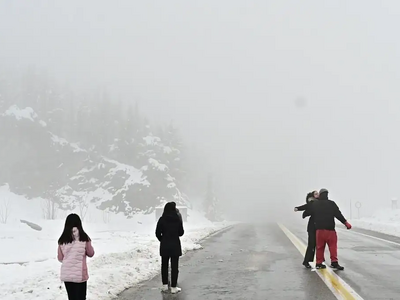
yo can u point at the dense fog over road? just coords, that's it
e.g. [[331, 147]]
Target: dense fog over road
[[277, 97]]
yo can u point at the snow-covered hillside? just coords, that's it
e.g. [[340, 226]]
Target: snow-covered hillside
[[126, 250], [40, 163]]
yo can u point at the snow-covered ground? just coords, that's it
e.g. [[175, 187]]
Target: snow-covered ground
[[384, 220], [126, 250]]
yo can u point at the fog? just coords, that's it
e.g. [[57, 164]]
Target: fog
[[281, 97]]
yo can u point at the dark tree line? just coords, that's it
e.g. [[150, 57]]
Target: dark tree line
[[50, 133]]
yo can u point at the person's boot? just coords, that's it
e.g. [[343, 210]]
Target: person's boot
[[320, 266], [335, 265], [307, 265]]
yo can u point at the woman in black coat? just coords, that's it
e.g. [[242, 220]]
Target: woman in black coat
[[312, 232], [169, 229]]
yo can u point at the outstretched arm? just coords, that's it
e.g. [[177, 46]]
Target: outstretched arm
[[340, 217], [302, 207]]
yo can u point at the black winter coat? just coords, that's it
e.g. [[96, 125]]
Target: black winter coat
[[324, 212], [311, 222], [307, 213], [169, 229]]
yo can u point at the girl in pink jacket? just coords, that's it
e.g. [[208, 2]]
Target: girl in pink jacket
[[73, 247]]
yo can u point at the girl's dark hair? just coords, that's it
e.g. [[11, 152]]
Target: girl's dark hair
[[72, 221], [309, 195], [169, 208]]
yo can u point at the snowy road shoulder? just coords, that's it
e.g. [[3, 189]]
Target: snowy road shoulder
[[385, 221], [123, 259]]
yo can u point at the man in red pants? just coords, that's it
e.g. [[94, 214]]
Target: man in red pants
[[324, 212]]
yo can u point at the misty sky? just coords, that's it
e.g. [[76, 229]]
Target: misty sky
[[229, 74]]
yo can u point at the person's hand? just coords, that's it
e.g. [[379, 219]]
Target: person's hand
[[296, 209], [348, 225]]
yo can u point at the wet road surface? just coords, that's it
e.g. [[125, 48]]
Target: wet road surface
[[371, 261], [260, 262], [254, 262]]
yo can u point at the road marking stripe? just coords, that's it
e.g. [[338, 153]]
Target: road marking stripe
[[337, 285], [370, 236]]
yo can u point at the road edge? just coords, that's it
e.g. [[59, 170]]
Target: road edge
[[217, 231]]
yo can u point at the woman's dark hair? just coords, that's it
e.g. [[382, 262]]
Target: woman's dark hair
[[309, 195], [169, 208], [72, 221]]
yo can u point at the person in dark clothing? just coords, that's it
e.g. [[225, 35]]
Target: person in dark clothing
[[179, 213], [169, 229], [324, 212], [312, 238]]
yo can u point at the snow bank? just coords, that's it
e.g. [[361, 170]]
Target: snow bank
[[126, 251], [384, 220]]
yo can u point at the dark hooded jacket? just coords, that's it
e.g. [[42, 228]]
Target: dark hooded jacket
[[324, 212], [307, 213], [169, 229]]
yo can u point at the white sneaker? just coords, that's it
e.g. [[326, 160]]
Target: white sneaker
[[164, 288], [175, 290]]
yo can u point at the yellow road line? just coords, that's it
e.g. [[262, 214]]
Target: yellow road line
[[339, 288]]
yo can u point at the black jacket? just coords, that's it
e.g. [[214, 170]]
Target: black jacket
[[169, 229], [307, 213], [311, 221], [324, 212]]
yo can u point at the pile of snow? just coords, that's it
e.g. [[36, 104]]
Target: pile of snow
[[384, 220], [127, 251]]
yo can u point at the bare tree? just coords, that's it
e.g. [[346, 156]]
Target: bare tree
[[83, 206], [4, 211], [106, 216], [49, 209]]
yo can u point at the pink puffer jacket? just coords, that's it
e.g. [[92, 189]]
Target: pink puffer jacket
[[73, 259]]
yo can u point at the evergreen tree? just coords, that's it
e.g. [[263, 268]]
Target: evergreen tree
[[211, 207], [91, 143], [173, 151]]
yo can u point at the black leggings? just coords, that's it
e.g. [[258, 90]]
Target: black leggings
[[312, 242], [76, 291], [174, 270]]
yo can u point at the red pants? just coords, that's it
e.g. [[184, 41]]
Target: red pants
[[326, 237]]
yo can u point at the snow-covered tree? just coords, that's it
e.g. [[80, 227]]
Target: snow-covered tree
[[76, 148]]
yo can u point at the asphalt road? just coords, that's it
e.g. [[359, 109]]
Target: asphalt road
[[371, 261], [263, 261], [246, 262]]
